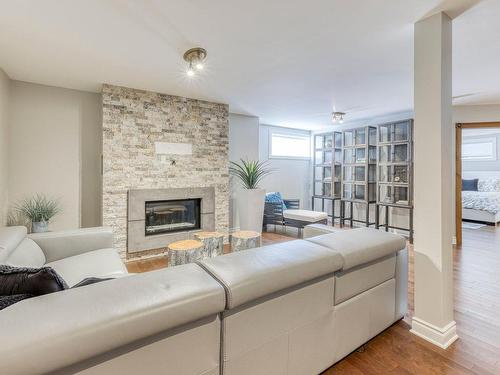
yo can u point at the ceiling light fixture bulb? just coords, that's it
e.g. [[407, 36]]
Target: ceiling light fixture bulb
[[338, 117], [190, 71], [195, 58]]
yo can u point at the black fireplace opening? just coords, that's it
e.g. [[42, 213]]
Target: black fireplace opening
[[169, 216]]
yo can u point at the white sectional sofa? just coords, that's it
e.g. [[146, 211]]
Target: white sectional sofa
[[290, 308]]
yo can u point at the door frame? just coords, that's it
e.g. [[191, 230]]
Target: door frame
[[458, 170]]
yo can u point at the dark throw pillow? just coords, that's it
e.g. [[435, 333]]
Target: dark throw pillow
[[29, 281], [470, 185]]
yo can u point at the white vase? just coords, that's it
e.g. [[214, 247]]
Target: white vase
[[251, 209], [39, 226]]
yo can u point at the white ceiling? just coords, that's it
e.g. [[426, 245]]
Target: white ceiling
[[287, 61]]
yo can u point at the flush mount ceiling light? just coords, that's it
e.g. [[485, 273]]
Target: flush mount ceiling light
[[338, 117], [195, 58]]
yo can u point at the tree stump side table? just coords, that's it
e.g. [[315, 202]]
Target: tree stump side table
[[212, 241], [187, 251], [245, 239]]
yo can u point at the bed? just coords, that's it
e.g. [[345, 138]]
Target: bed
[[482, 205]]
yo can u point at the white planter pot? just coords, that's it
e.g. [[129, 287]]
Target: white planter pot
[[251, 209], [39, 226]]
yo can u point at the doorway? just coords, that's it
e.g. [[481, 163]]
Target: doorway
[[481, 149]]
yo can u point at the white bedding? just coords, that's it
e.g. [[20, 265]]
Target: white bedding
[[481, 200]]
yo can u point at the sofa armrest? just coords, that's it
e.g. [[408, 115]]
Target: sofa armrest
[[63, 244], [54, 331], [401, 276]]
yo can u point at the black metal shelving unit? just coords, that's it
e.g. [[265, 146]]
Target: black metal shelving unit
[[327, 172], [395, 173], [359, 171]]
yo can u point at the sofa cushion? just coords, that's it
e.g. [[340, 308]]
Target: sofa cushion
[[259, 272], [10, 238], [48, 333], [361, 245], [27, 254], [98, 263], [359, 279], [305, 215], [312, 230]]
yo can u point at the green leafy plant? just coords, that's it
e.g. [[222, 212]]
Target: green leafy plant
[[38, 208], [250, 172], [15, 218]]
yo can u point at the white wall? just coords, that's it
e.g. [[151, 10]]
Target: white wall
[[243, 144], [47, 128], [4, 144], [291, 177]]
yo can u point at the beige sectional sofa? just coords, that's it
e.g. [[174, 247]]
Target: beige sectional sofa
[[290, 308]]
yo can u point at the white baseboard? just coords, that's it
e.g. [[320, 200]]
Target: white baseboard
[[442, 337]]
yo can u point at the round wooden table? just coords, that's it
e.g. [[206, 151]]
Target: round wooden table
[[186, 251], [212, 241], [245, 239]]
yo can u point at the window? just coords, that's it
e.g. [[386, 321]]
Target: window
[[290, 146], [479, 149]]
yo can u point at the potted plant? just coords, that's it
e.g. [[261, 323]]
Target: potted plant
[[251, 199], [38, 210]]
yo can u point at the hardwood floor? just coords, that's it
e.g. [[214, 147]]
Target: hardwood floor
[[477, 313]]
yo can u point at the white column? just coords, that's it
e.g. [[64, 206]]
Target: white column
[[433, 218]]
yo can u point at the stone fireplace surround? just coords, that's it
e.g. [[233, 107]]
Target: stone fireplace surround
[[137, 241], [134, 122]]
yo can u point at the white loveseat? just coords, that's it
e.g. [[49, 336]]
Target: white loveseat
[[150, 323], [290, 308], [74, 254]]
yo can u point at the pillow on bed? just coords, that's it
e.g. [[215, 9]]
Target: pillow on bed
[[489, 184], [470, 185]]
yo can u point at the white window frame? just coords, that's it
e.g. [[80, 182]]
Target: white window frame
[[475, 140], [285, 134]]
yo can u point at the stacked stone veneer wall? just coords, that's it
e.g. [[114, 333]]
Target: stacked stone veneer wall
[[133, 120]]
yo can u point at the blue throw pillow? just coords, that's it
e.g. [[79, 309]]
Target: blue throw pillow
[[470, 185], [275, 197]]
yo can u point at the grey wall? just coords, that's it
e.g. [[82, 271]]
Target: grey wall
[[4, 144], [243, 137], [55, 149], [249, 139], [243, 144], [291, 177], [91, 151]]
